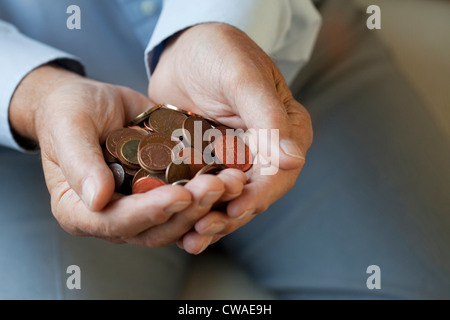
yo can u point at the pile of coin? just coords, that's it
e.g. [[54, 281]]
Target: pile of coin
[[167, 145]]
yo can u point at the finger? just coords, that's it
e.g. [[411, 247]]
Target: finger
[[76, 148], [261, 105], [205, 190], [234, 181], [123, 218], [261, 192], [134, 214], [194, 243], [219, 223], [215, 238], [208, 230]]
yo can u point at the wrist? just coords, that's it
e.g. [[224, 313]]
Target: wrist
[[29, 97]]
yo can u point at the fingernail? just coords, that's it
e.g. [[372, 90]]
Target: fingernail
[[177, 206], [180, 244], [214, 228], [88, 191], [291, 149], [210, 198], [204, 246], [231, 196], [245, 214]]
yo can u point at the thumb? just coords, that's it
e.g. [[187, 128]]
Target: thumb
[[134, 103], [79, 155], [261, 107]]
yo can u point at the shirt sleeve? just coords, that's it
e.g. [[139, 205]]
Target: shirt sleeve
[[285, 29], [19, 56]]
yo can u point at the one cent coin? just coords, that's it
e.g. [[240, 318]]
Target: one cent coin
[[219, 132], [130, 172], [144, 173], [188, 113], [141, 173], [155, 157], [157, 138], [176, 172], [146, 184], [194, 129], [232, 152], [193, 158], [166, 121]]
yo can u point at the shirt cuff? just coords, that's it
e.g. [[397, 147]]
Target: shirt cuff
[[285, 29], [20, 56]]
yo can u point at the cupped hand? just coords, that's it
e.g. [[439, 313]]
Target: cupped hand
[[217, 71], [70, 116]]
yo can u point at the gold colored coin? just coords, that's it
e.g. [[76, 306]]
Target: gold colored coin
[[144, 115], [129, 151], [117, 136]]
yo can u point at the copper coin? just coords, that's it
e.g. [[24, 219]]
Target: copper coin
[[140, 129], [130, 172], [115, 136], [147, 127], [194, 129], [146, 184], [141, 173], [192, 157], [188, 113], [144, 173], [219, 131], [166, 121], [118, 173], [144, 115], [232, 152], [208, 169], [155, 157], [157, 138], [176, 172]]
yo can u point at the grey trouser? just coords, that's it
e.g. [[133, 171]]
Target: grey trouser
[[374, 191]]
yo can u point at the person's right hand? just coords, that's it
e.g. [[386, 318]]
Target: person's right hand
[[70, 116]]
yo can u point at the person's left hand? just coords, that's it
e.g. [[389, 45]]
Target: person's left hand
[[217, 71]]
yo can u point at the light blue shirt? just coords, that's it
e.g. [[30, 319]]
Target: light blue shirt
[[120, 39]]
